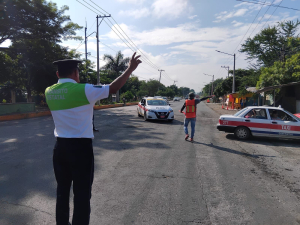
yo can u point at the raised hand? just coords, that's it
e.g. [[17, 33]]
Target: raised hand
[[134, 62]]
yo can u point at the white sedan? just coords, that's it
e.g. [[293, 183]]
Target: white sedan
[[155, 109], [261, 121]]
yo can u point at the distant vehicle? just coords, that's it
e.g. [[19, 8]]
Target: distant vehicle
[[155, 109], [261, 121], [166, 99], [176, 99]]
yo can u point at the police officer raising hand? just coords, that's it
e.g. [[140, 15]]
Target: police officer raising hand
[[71, 105]]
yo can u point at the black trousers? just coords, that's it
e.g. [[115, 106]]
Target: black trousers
[[73, 161]]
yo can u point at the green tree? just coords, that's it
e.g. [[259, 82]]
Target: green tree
[[36, 19], [115, 66], [272, 44], [127, 95], [35, 29], [33, 70], [280, 72]]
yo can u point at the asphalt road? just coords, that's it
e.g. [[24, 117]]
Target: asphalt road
[[145, 173]]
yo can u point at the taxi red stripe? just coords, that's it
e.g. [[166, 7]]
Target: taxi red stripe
[[259, 125]]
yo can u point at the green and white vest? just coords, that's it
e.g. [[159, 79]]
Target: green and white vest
[[71, 105]]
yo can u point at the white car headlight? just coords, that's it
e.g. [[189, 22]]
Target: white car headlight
[[171, 111], [150, 110]]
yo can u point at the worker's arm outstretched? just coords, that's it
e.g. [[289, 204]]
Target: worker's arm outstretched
[[121, 80], [182, 108], [202, 99]]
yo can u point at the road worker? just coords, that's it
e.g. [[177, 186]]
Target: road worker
[[190, 114]]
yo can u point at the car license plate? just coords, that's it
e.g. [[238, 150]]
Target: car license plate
[[162, 116]]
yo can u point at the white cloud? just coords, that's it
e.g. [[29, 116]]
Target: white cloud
[[192, 17], [169, 8], [182, 33], [226, 15], [236, 23], [138, 13], [132, 1], [161, 8]]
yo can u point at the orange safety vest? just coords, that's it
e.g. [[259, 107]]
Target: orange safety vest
[[190, 111]]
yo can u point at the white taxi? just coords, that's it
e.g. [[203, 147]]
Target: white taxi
[[261, 121], [155, 109]]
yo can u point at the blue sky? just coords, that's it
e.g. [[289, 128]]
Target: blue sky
[[179, 36]]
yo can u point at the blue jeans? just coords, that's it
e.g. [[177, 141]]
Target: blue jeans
[[186, 124]]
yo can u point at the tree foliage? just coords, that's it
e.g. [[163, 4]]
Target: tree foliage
[[273, 43], [36, 19]]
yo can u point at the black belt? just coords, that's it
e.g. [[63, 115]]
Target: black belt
[[74, 140]]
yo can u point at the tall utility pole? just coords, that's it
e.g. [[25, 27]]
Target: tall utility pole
[[227, 68], [233, 81], [97, 36], [175, 82], [85, 41], [160, 75], [212, 84]]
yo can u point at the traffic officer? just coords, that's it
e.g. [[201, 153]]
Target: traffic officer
[[71, 105], [190, 114]]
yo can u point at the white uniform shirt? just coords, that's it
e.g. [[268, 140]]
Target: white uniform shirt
[[71, 105]]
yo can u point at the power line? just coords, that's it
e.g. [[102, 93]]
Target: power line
[[249, 28], [266, 21], [126, 36], [133, 48], [117, 51], [264, 3], [113, 30], [239, 53]]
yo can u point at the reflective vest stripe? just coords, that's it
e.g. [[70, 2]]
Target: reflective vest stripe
[[190, 108]]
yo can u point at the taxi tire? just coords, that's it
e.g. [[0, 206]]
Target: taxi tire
[[138, 113], [242, 133], [145, 117]]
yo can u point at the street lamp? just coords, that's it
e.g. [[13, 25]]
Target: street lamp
[[212, 84], [233, 82], [227, 68]]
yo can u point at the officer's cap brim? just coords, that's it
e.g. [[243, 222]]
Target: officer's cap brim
[[67, 62]]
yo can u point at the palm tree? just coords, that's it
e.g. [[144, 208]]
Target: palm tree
[[115, 65]]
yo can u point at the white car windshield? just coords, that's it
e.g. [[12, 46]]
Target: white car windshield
[[157, 102]]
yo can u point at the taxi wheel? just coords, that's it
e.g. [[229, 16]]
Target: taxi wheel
[[138, 113], [242, 133], [145, 117]]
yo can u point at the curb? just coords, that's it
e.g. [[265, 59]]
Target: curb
[[114, 105], [48, 113], [24, 116]]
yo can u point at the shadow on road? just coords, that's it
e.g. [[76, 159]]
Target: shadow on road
[[231, 150], [164, 122], [269, 141], [27, 182]]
